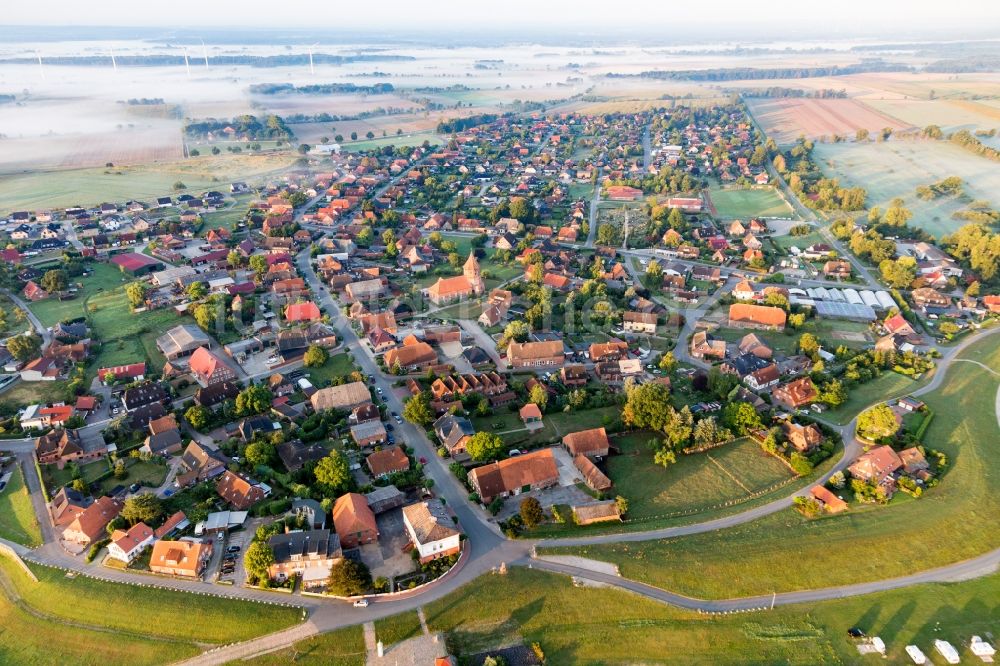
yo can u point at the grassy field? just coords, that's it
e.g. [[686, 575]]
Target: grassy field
[[897, 168], [112, 321], [827, 330], [785, 242], [396, 628], [17, 516], [744, 204], [889, 385], [103, 278], [29, 393], [154, 613], [225, 217], [413, 140], [956, 520], [700, 481], [343, 647], [581, 625], [61, 188], [40, 641]]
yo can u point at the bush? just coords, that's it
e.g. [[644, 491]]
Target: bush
[[95, 548]]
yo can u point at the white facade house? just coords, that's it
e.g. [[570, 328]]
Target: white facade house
[[128, 545], [432, 530]]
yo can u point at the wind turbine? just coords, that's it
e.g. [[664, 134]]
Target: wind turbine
[[312, 70], [187, 63], [40, 68], [204, 52], [113, 63]]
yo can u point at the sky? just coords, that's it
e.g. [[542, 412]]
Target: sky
[[667, 17]]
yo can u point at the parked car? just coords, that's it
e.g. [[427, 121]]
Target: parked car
[[233, 549]]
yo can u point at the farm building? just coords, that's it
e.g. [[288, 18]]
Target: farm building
[[136, 264]]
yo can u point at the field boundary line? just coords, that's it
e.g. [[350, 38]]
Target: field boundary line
[[726, 472]]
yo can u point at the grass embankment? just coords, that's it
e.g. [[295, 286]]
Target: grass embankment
[[344, 647], [589, 626], [957, 520], [17, 516], [131, 611], [396, 628]]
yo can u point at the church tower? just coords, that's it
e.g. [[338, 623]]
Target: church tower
[[472, 273]]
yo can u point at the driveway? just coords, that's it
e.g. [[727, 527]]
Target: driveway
[[387, 558]]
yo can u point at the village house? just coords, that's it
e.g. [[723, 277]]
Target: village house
[[535, 354], [804, 438], [702, 346], [573, 375], [639, 322], [795, 394], [126, 545], [742, 315], [389, 460], [344, 397], [90, 524], [354, 521], [591, 443], [296, 454], [532, 471], [877, 466], [209, 368], [237, 491], [368, 433], [185, 559], [199, 464], [67, 504], [61, 446], [414, 357], [431, 530], [454, 432], [830, 502], [308, 554]]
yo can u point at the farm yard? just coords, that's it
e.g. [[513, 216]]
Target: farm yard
[[896, 168], [742, 204], [785, 120]]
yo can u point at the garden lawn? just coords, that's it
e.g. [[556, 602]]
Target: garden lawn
[[802, 242], [12, 327], [957, 520], [861, 396], [396, 628], [102, 278], [112, 320], [146, 611], [582, 625], [17, 516], [744, 204], [338, 365], [40, 641], [145, 473], [343, 647]]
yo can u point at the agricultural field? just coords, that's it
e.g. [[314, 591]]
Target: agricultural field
[[600, 625], [949, 114], [60, 188], [696, 483], [138, 145], [742, 204], [785, 120], [954, 521], [896, 168], [17, 515]]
